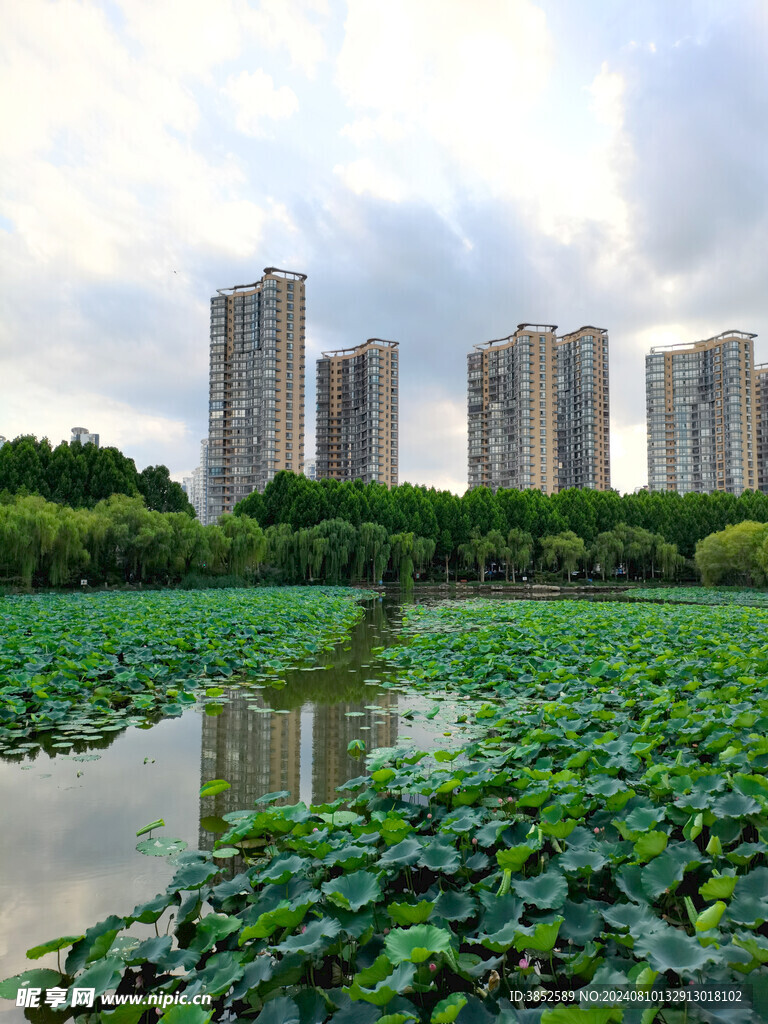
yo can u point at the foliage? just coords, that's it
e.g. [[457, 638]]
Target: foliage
[[449, 520], [609, 828], [80, 475], [701, 595], [737, 554], [102, 661], [119, 540]]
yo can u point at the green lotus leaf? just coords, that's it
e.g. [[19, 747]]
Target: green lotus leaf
[[641, 819], [385, 990], [101, 976], [403, 854], [317, 936], [270, 798], [447, 1010], [340, 819], [547, 891], [282, 869], [541, 937], [280, 1010], [186, 1014], [94, 944], [35, 977], [52, 946], [670, 949], [221, 971], [710, 918], [750, 904], [581, 860], [353, 891], [719, 887], [514, 857], [193, 876], [455, 906], [148, 828], [440, 857], [582, 921], [212, 928], [416, 944], [410, 913], [650, 845], [579, 1015], [161, 847]]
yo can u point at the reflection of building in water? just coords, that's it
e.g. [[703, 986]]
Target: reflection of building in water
[[332, 732], [255, 753]]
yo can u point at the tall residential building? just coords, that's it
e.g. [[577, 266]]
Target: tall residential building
[[761, 425], [583, 414], [198, 495], [357, 423], [702, 415], [82, 435], [538, 410], [256, 408]]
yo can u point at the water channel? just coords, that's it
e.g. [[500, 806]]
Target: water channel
[[68, 845]]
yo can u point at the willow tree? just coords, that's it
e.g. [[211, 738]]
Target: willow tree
[[519, 550], [423, 549], [607, 551], [342, 541], [372, 551], [565, 550], [401, 545], [27, 533], [247, 544], [476, 552]]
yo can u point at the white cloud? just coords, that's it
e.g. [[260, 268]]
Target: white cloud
[[433, 432], [472, 93], [256, 100], [629, 456], [364, 176], [366, 129], [289, 25]]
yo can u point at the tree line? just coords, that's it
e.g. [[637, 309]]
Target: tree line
[[120, 541], [451, 520], [80, 475]]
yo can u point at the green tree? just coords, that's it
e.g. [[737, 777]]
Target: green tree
[[565, 550], [160, 493], [519, 550]]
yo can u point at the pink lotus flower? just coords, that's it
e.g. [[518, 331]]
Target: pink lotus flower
[[524, 963]]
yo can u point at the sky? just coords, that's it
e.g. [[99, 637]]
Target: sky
[[442, 170]]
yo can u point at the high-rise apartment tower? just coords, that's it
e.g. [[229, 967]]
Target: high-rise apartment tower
[[357, 422], [538, 414], [256, 408], [701, 415], [761, 425], [583, 413]]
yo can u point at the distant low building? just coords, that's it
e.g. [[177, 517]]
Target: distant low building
[[82, 435], [310, 470]]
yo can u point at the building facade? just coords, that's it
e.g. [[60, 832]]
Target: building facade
[[701, 415], [760, 376], [538, 410], [583, 410], [256, 405], [357, 413], [82, 435]]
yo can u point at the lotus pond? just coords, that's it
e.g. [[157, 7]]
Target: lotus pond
[[603, 823]]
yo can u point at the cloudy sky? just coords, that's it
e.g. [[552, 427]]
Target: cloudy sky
[[442, 170]]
